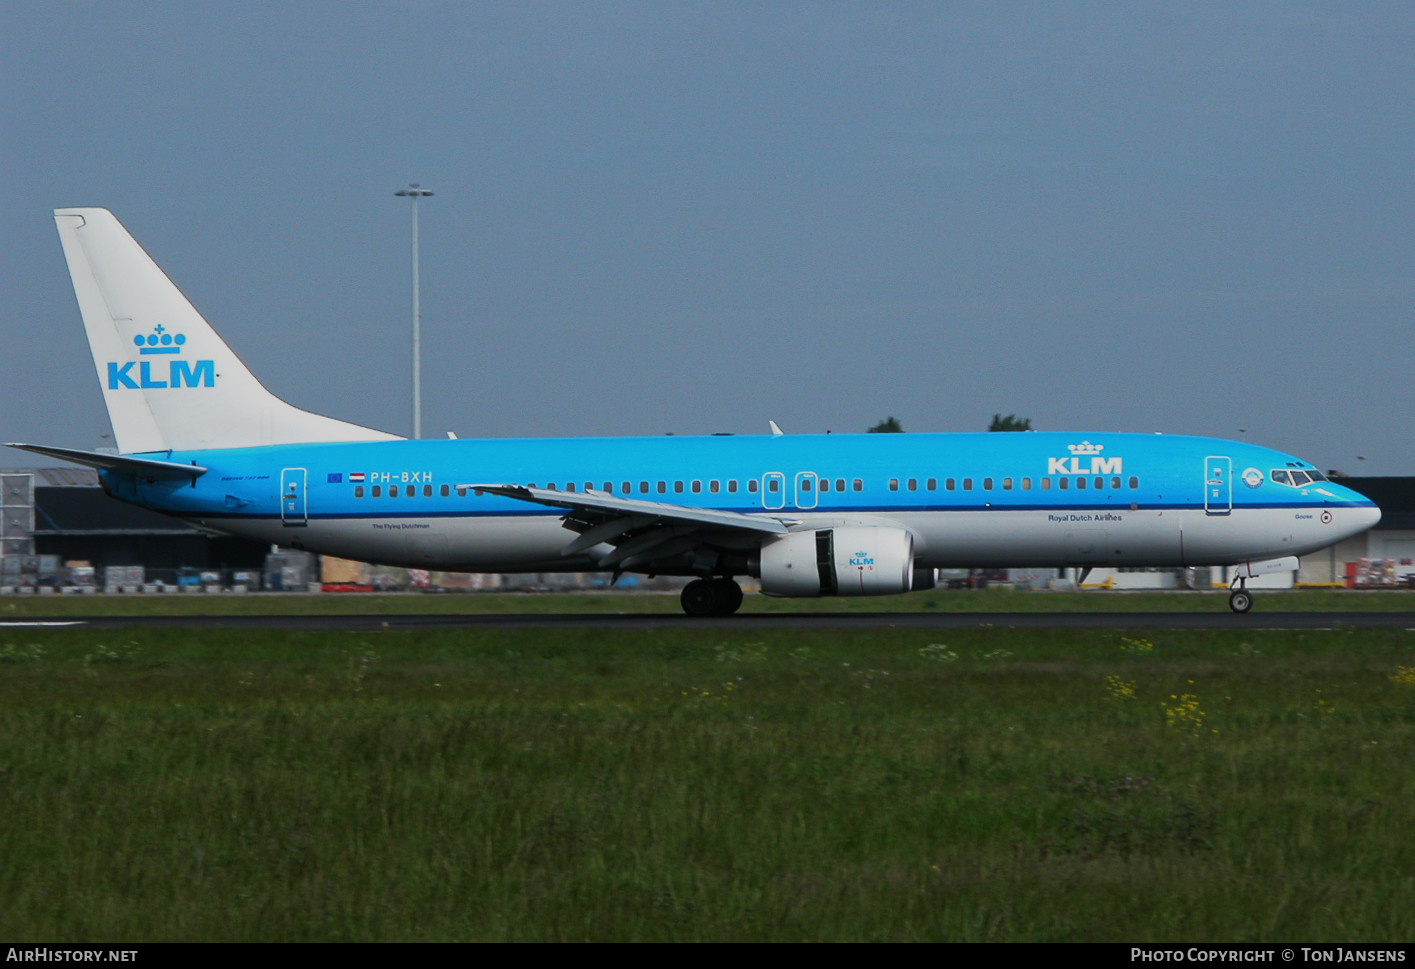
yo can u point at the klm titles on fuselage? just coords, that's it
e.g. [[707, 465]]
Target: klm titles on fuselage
[[1085, 459], [1097, 465]]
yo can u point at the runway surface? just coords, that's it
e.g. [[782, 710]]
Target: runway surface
[[834, 620]]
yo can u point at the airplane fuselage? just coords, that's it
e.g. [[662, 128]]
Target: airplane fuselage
[[968, 500]]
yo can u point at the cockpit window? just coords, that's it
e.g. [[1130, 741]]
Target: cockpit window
[[1296, 479], [1281, 476]]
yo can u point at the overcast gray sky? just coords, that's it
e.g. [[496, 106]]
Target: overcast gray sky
[[673, 217]]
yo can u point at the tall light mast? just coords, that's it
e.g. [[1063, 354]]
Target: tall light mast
[[414, 192]]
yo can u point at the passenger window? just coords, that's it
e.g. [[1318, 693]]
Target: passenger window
[[427, 491], [1006, 484], [1100, 484], [752, 485], [663, 487], [446, 491], [678, 487], [1026, 484], [697, 487], [931, 484], [358, 491], [1046, 484], [773, 485], [1063, 483], [913, 484], [825, 485], [1134, 483], [732, 486], [643, 487], [967, 484], [893, 484], [714, 486], [393, 491], [1080, 483], [839, 484], [378, 491], [859, 484], [987, 484], [1115, 483], [805, 484], [950, 485]]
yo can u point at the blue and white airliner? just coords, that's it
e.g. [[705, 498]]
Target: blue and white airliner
[[201, 439]]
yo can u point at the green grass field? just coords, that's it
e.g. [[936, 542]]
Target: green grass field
[[984, 784]]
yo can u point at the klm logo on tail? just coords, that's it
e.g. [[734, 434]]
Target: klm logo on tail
[[151, 375]]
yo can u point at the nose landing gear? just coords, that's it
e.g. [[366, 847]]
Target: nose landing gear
[[1240, 599]]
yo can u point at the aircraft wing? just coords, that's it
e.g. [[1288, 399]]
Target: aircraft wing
[[643, 533]]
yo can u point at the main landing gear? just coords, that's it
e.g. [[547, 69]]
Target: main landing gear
[[711, 597], [1240, 599]]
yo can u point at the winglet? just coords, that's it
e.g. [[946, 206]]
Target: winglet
[[776, 430]]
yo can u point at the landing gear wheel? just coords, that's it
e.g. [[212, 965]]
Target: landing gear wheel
[[1240, 600], [729, 596], [699, 598], [711, 597]]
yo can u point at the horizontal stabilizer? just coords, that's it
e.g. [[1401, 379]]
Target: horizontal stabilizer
[[140, 467]]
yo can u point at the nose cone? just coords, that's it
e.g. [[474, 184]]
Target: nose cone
[[1368, 517], [1356, 515]]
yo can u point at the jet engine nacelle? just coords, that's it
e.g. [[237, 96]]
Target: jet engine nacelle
[[851, 561]]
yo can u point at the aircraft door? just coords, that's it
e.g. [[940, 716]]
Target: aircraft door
[[773, 490], [1218, 485], [806, 485], [293, 501]]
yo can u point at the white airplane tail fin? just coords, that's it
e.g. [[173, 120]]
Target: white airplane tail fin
[[169, 381]]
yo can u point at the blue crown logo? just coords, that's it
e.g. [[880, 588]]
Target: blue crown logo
[[159, 341]]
